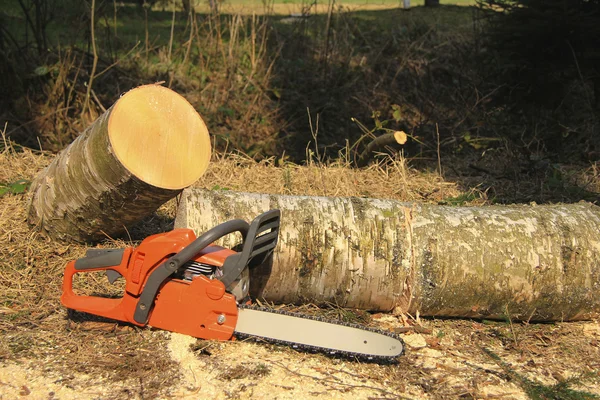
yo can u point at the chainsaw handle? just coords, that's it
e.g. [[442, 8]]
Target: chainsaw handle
[[258, 244], [105, 307], [207, 238], [171, 265], [100, 258]]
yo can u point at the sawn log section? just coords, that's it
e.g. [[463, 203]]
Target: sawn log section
[[538, 263], [140, 153]]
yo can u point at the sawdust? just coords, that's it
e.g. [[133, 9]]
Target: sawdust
[[230, 370], [270, 373], [416, 341], [193, 381], [27, 381], [17, 381]]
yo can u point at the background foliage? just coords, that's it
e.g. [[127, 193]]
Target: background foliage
[[517, 75], [547, 56]]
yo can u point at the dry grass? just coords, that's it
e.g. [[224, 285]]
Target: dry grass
[[83, 352], [34, 326], [391, 179]]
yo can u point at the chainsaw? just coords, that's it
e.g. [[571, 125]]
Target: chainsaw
[[178, 282]]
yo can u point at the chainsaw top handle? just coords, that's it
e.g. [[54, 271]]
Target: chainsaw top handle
[[173, 263], [258, 245]]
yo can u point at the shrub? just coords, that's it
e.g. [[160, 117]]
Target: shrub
[[542, 46]]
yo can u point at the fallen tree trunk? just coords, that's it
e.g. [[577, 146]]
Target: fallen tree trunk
[[527, 262], [140, 153]]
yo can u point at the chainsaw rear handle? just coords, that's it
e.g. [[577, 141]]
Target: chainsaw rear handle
[[98, 258], [172, 264], [101, 260]]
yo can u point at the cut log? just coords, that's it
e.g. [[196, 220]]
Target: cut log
[[140, 153], [538, 263]]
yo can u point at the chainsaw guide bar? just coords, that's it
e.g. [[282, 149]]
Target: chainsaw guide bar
[[343, 339], [182, 283]]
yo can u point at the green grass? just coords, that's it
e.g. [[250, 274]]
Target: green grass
[[68, 27], [283, 7], [398, 3]]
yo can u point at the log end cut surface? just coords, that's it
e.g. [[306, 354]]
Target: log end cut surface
[[159, 137]]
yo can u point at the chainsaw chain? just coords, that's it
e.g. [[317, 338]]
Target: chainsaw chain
[[355, 356]]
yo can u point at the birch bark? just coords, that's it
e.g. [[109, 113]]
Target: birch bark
[[140, 153], [526, 262]]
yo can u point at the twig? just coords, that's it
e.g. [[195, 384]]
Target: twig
[[512, 328], [589, 100], [94, 64], [366, 133], [380, 141], [530, 316], [172, 32], [414, 328], [327, 35], [118, 61], [3, 132], [72, 88], [191, 38], [147, 37], [198, 43], [439, 158], [314, 132], [115, 16], [98, 101], [40, 118], [34, 30]]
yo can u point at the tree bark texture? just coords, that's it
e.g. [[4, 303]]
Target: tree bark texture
[[538, 263], [101, 184]]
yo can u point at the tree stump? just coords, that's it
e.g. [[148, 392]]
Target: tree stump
[[140, 153], [538, 263]]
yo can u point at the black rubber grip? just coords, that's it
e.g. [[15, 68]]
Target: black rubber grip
[[256, 243], [100, 258]]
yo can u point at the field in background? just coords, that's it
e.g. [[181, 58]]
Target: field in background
[[289, 7]]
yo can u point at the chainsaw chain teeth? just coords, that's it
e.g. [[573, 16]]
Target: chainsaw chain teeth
[[321, 350]]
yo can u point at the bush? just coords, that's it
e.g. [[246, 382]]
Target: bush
[[542, 46], [545, 54]]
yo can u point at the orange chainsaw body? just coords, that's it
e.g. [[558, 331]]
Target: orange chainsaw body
[[200, 307]]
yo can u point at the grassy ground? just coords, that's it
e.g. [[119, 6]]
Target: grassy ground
[[46, 351], [372, 72], [266, 84]]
